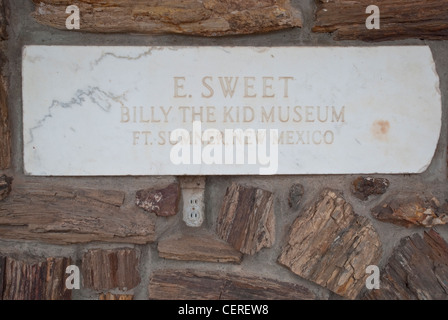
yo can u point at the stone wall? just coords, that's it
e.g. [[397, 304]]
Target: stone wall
[[264, 237]]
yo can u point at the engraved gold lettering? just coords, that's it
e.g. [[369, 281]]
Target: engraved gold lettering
[[248, 86], [125, 117], [297, 111], [211, 114], [319, 115], [338, 117], [286, 119], [211, 92], [286, 85], [228, 89], [329, 137], [249, 114], [309, 114], [267, 86], [179, 86], [267, 118], [166, 113], [227, 114]]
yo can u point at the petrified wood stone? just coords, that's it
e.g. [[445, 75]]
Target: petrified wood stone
[[205, 18], [2, 275], [198, 247], [4, 10], [417, 270], [111, 296], [424, 19], [364, 187], [43, 280], [163, 202], [246, 219], [109, 269], [5, 186], [331, 245], [64, 215], [208, 285], [295, 196], [5, 134], [410, 210]]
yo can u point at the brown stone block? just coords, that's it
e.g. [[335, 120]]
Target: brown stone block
[[423, 19], [417, 270], [247, 219], [204, 18], [332, 246], [42, 280], [109, 269], [198, 247], [64, 215], [209, 285], [5, 132], [364, 187], [111, 296], [412, 210], [163, 202]]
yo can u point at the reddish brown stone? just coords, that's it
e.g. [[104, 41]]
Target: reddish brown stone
[[4, 14], [332, 246], [2, 275], [5, 132], [111, 296], [199, 246], [411, 210], [36, 280], [36, 211], [163, 202], [246, 219], [5, 186], [417, 270], [295, 196], [364, 187], [423, 19], [109, 269], [209, 285], [204, 18]]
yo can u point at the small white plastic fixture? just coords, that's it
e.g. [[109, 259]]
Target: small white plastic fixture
[[193, 189]]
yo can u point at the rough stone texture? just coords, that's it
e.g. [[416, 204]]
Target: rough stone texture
[[247, 219], [2, 275], [423, 19], [109, 269], [5, 131], [207, 285], [5, 186], [163, 202], [205, 18], [111, 296], [64, 215], [295, 196], [4, 14], [417, 270], [199, 246], [42, 280], [364, 187], [411, 210], [331, 245]]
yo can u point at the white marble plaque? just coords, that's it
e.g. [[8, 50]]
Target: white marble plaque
[[229, 110]]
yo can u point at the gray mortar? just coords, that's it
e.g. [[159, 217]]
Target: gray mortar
[[23, 30]]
